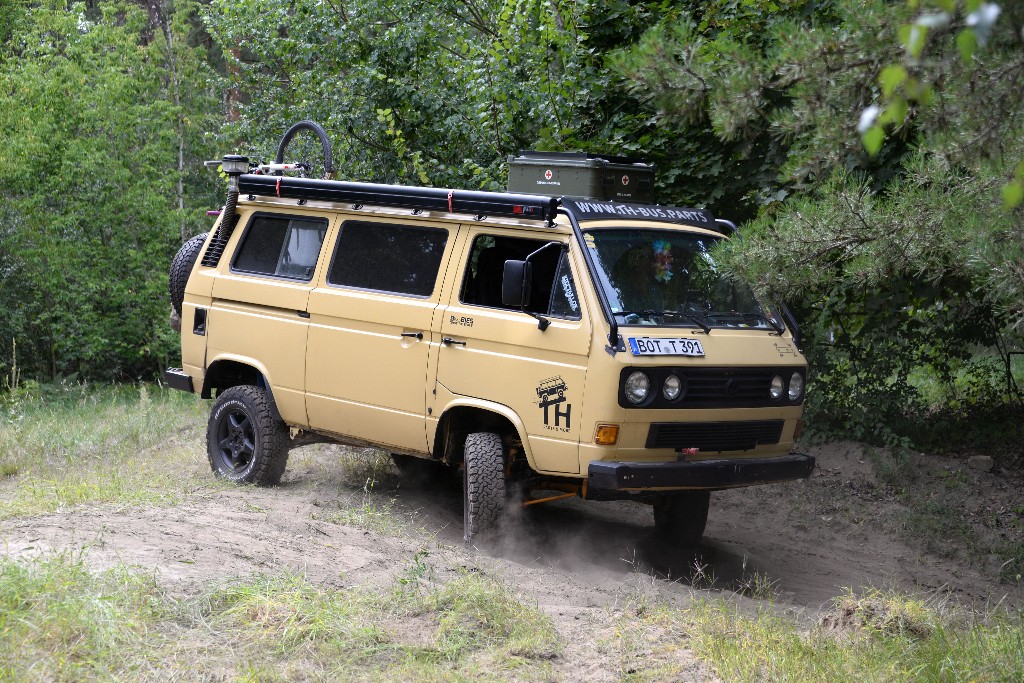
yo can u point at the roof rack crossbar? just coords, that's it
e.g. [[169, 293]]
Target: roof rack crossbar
[[503, 204]]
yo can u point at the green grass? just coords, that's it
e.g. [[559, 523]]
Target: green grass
[[61, 621], [879, 636], [135, 445]]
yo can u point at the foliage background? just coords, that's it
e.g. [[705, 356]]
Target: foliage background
[[873, 151]]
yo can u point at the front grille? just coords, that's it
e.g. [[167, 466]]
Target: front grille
[[727, 387], [714, 436], [713, 387]]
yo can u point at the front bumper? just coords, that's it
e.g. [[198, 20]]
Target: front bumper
[[701, 474], [177, 378]]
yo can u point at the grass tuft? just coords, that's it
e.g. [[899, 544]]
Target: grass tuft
[[879, 636], [882, 613], [125, 445], [60, 620]]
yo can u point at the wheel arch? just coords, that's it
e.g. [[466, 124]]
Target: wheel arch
[[467, 415], [231, 371]]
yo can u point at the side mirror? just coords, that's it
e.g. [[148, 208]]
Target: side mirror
[[515, 283]]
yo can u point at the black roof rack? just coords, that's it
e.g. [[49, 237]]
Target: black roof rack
[[502, 204]]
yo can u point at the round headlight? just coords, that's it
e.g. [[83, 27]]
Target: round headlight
[[778, 386], [796, 386], [638, 385], [671, 388]]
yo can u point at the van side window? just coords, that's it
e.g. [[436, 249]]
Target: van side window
[[398, 259], [553, 292], [281, 246]]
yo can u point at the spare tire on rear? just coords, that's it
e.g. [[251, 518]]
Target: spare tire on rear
[[181, 268]]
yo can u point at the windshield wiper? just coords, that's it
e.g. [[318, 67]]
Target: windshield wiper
[[696, 319], [699, 321], [771, 322]]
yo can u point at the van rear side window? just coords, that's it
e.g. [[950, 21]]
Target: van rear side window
[[398, 259], [281, 246]]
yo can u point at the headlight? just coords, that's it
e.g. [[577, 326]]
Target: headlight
[[638, 385], [778, 386], [671, 388], [796, 386]]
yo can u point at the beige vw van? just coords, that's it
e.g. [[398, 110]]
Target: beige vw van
[[549, 346]]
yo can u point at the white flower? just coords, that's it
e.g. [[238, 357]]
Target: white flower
[[933, 20], [867, 118], [982, 20]]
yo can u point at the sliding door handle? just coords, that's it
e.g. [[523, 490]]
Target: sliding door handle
[[448, 341]]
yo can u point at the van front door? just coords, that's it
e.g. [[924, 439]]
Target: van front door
[[491, 352]]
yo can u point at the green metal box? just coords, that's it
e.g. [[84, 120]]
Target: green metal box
[[579, 174]]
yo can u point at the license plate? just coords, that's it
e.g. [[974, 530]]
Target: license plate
[[665, 346]]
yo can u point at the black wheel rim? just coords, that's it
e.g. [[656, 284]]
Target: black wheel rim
[[236, 441]]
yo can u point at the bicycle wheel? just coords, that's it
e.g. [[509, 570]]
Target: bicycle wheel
[[307, 143]]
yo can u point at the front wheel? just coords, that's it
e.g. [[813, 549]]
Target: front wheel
[[245, 442], [483, 484], [681, 517]]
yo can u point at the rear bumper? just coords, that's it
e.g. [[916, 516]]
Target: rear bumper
[[702, 474], [176, 378]]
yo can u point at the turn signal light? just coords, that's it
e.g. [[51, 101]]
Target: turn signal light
[[799, 429], [606, 435]]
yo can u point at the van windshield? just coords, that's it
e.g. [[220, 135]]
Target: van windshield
[[669, 278]]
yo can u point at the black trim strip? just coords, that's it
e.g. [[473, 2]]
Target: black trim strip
[[602, 296], [702, 474]]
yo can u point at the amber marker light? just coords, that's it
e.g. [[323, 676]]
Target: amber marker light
[[606, 435]]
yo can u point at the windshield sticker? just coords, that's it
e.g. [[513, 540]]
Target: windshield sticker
[[595, 210], [570, 296], [551, 393]]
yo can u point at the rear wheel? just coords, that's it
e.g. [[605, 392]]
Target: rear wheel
[[681, 517], [483, 484], [307, 143], [245, 442]]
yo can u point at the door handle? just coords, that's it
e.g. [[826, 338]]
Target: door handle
[[414, 335], [449, 341], [303, 314]]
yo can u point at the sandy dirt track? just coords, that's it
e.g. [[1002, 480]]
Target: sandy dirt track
[[578, 560]]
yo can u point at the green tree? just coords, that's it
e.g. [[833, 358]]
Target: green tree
[[105, 119], [897, 247]]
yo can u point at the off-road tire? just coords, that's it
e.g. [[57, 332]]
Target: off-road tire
[[245, 442], [681, 517], [181, 268], [301, 147], [483, 485]]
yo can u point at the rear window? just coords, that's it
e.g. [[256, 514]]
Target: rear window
[[281, 246]]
